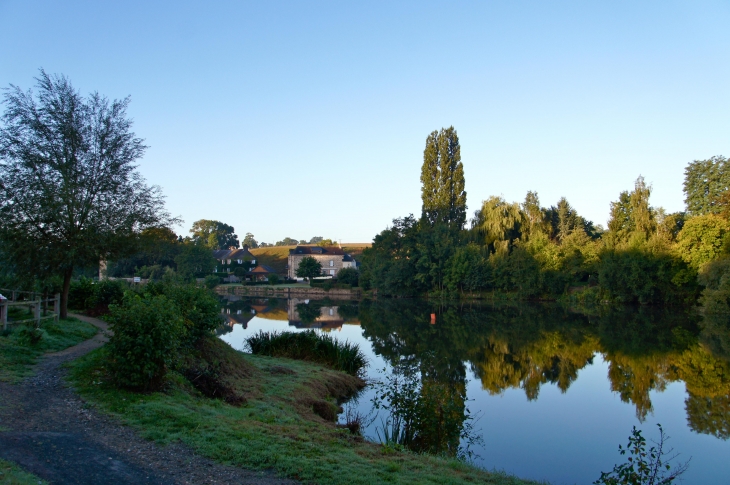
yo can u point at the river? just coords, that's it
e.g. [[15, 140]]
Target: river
[[537, 390]]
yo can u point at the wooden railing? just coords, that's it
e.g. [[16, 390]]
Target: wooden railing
[[35, 302]]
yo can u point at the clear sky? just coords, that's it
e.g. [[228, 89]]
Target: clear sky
[[309, 118]]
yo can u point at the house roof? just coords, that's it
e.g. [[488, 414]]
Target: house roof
[[243, 253], [263, 269], [330, 250]]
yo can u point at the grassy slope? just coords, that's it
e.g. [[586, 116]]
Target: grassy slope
[[277, 256], [276, 428], [18, 356], [11, 474]]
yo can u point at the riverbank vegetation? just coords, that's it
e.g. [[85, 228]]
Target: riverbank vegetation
[[22, 346], [528, 251], [285, 421], [311, 346]]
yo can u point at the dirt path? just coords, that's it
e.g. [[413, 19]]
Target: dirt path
[[47, 429]]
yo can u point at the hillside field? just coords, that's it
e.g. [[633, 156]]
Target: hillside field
[[276, 256]]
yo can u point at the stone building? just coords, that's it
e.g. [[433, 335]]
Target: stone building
[[332, 259]]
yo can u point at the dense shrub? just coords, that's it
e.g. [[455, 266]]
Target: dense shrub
[[348, 276], [211, 281], [95, 296], [146, 335], [274, 279], [198, 307], [311, 346]]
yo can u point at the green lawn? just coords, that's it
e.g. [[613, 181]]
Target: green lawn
[[18, 354], [11, 474], [276, 428]]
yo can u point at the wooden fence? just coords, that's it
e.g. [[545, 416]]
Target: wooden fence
[[34, 302]]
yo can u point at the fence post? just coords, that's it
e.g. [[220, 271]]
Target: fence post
[[56, 306], [37, 314], [4, 313]]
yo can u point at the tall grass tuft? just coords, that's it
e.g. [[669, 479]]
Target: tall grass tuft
[[309, 345]]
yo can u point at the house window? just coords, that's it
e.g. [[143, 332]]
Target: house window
[[332, 272], [332, 263], [240, 261], [253, 261], [238, 312], [332, 312]]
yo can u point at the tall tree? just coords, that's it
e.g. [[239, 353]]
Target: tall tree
[[641, 213], [214, 234], [705, 181], [442, 179], [69, 192], [534, 214], [250, 241]]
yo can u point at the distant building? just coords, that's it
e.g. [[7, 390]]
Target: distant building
[[229, 259], [332, 259]]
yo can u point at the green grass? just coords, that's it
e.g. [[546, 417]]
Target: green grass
[[12, 474], [18, 354], [276, 428], [309, 345]]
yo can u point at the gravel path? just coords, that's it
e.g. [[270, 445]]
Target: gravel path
[[46, 428]]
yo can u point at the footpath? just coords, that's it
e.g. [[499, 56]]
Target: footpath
[[47, 429]]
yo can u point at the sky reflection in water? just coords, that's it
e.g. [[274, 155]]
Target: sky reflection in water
[[502, 355]]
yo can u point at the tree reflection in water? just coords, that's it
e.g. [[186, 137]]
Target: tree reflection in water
[[526, 346]]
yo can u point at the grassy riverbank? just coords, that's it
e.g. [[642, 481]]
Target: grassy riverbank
[[279, 426], [19, 352]]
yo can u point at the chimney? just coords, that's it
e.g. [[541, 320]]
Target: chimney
[[245, 247]]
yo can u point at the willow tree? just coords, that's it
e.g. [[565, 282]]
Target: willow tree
[[69, 192], [442, 179], [499, 222]]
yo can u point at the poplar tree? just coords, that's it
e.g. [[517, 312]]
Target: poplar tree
[[442, 179]]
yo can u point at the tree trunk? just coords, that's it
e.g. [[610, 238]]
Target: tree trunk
[[64, 293]]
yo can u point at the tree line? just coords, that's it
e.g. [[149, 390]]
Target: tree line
[[525, 250]]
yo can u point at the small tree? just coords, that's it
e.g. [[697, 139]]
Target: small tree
[[69, 193], [309, 268]]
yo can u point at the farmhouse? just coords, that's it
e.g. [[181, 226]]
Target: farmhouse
[[230, 259], [332, 259]]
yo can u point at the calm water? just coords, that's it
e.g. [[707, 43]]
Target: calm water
[[535, 390]]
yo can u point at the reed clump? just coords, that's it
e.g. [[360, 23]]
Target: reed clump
[[311, 346]]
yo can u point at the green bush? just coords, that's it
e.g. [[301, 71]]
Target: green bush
[[146, 335], [211, 281], [87, 294], [309, 345], [80, 292], [274, 279], [198, 307], [348, 276]]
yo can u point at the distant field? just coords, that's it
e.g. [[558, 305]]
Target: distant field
[[277, 256]]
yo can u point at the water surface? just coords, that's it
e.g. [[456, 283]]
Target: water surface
[[539, 391]]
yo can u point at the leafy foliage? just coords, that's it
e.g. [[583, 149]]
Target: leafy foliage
[[644, 467], [151, 325], [311, 346], [348, 276], [146, 335], [214, 234], [309, 268], [705, 182], [442, 180], [69, 180]]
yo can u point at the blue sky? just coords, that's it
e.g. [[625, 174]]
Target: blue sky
[[306, 119]]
